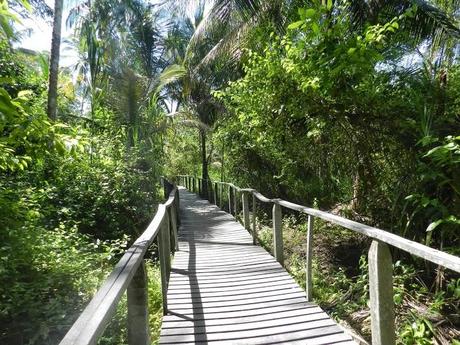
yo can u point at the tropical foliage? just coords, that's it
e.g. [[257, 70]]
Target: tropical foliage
[[347, 105]]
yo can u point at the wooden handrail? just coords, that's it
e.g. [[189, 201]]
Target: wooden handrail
[[380, 261], [441, 258], [129, 274]]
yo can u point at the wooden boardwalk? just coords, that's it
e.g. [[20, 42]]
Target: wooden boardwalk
[[225, 290]]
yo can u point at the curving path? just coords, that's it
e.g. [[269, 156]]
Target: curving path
[[225, 290]]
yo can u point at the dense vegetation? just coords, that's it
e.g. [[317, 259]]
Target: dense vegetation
[[350, 106]]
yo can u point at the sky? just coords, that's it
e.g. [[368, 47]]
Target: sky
[[39, 38]]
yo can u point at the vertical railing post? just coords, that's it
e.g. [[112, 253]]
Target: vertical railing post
[[221, 196], [215, 193], [194, 184], [245, 201], [278, 233], [230, 199], [308, 259], [173, 223], [138, 312], [235, 201], [177, 207], [381, 294], [165, 259], [254, 219], [199, 186]]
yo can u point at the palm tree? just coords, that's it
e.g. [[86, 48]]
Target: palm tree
[[54, 60]]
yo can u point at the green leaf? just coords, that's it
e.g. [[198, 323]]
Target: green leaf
[[351, 51], [310, 13], [295, 25], [315, 28]]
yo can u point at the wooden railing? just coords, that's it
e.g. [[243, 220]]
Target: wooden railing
[[129, 275], [380, 260]]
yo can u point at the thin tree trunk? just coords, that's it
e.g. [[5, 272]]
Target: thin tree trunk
[[204, 162], [54, 60]]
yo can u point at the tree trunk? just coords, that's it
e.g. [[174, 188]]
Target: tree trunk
[[204, 162], [54, 60]]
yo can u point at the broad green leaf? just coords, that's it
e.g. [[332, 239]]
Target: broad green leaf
[[310, 13], [295, 25]]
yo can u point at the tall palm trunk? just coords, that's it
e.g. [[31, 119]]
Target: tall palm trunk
[[204, 162], [54, 60]]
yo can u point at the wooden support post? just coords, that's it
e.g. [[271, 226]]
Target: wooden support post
[[230, 199], [221, 196], [381, 294], [165, 259], [173, 222], [235, 201], [199, 186], [254, 219], [245, 201], [177, 207], [215, 193], [210, 191], [278, 233], [138, 312], [308, 258]]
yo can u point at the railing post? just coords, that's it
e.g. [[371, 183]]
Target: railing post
[[230, 199], [164, 253], [254, 219], [209, 190], [199, 186], [138, 312], [173, 224], [235, 201], [177, 208], [245, 201], [381, 294], [215, 193], [221, 196], [308, 259], [278, 233]]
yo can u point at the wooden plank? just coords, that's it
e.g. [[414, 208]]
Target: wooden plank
[[277, 333], [177, 322]]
